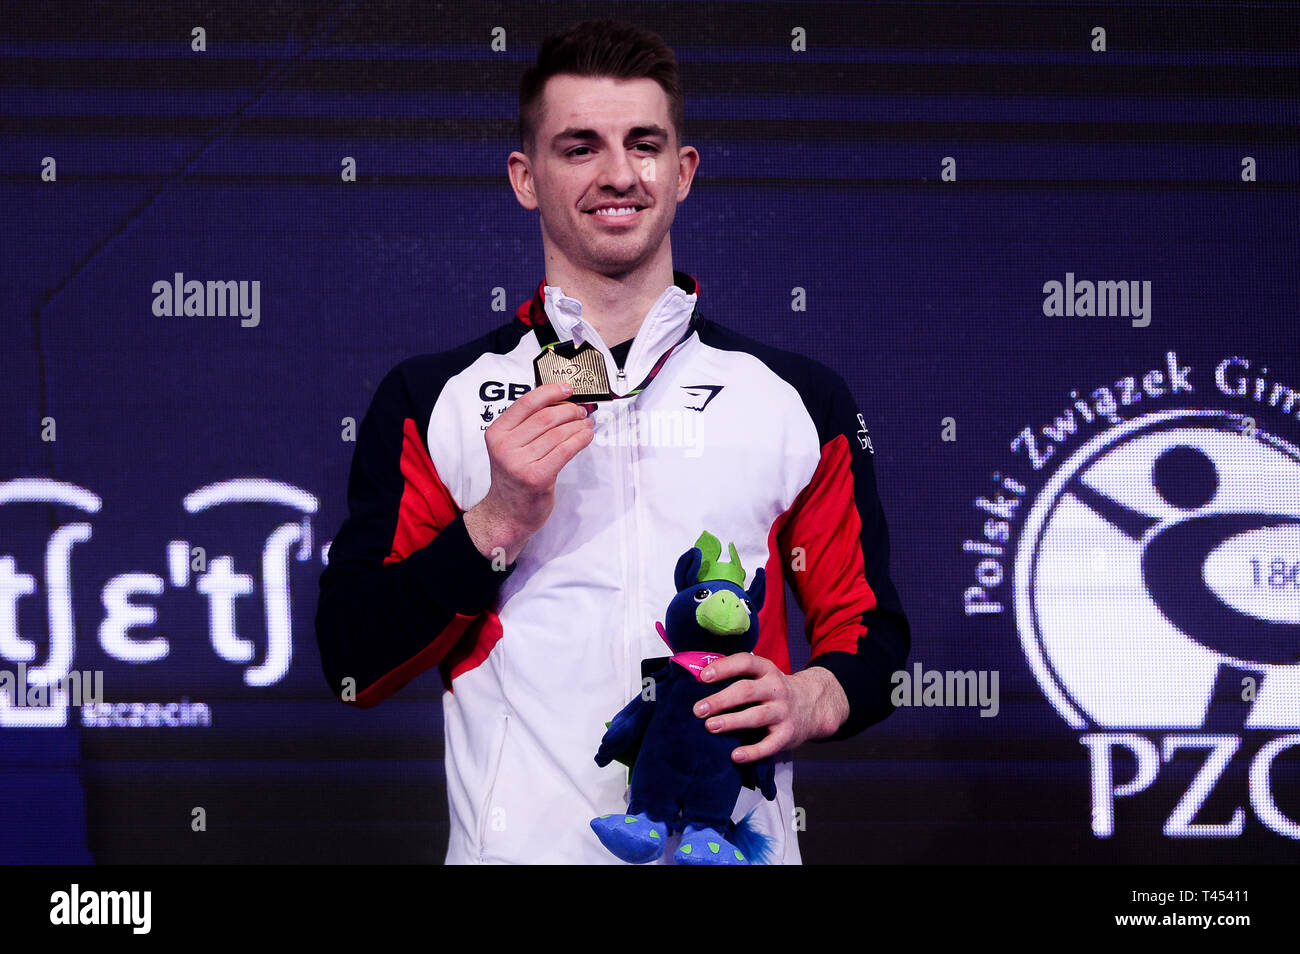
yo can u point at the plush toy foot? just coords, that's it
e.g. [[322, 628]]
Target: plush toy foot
[[704, 846], [633, 838]]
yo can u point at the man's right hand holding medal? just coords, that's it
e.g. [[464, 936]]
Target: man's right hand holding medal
[[528, 444]]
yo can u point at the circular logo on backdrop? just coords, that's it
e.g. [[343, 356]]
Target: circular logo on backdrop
[[1162, 559], [1145, 538]]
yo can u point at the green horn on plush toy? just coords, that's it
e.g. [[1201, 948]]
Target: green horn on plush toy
[[710, 569]]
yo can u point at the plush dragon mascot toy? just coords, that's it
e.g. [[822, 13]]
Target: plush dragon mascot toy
[[682, 775]]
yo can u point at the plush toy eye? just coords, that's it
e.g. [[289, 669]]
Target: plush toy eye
[[749, 606], [701, 595]]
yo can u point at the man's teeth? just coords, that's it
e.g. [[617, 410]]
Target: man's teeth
[[628, 210]]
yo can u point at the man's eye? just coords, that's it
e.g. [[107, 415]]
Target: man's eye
[[653, 148]]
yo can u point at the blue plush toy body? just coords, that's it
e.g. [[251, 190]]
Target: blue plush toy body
[[683, 777]]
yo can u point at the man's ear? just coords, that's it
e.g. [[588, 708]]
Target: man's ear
[[759, 589], [688, 568], [519, 172]]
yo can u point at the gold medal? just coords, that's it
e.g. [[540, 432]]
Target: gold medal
[[583, 369]]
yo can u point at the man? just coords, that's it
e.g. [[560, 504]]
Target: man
[[525, 543]]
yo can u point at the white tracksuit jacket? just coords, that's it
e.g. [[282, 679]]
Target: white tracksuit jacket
[[761, 447]]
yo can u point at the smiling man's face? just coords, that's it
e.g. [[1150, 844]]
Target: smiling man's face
[[604, 144]]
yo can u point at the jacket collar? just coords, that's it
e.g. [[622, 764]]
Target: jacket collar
[[535, 311], [662, 326]]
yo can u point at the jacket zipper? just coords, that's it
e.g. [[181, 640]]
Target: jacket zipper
[[632, 552], [629, 544], [486, 807], [633, 633]]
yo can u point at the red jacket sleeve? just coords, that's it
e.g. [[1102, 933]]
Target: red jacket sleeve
[[403, 580], [853, 616]]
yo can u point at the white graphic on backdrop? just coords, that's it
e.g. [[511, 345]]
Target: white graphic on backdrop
[[127, 610], [1154, 579]]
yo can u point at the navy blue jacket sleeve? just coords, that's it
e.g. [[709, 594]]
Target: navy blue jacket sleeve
[[404, 580]]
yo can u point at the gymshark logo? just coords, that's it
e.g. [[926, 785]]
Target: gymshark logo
[[713, 390]]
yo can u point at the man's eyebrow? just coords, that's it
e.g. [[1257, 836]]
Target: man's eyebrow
[[590, 135]]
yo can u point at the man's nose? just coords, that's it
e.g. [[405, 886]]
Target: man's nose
[[619, 171]]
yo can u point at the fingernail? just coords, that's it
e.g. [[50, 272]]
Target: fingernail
[[566, 387], [714, 724], [707, 674], [701, 708], [740, 756]]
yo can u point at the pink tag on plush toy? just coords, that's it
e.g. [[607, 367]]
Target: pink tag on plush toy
[[694, 661]]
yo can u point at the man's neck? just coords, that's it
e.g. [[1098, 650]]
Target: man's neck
[[615, 307]]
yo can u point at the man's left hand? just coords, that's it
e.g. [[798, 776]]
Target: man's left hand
[[806, 705]]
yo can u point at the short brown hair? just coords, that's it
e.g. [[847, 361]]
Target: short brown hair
[[600, 48]]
